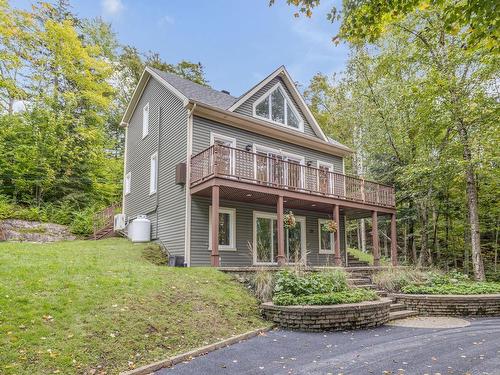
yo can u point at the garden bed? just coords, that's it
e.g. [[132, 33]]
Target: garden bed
[[329, 317], [451, 305]]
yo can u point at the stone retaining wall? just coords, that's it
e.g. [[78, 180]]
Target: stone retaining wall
[[451, 305], [329, 318]]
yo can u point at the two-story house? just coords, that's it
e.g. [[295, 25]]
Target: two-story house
[[216, 174]]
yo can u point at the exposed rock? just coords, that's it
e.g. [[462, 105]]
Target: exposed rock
[[33, 231]]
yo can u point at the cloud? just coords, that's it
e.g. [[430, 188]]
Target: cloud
[[112, 7], [166, 20]]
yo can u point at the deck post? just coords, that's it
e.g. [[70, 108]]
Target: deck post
[[336, 218], [375, 240], [215, 227], [281, 231], [394, 241]]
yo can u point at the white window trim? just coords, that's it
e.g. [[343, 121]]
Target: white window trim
[[270, 215], [145, 121], [153, 185], [214, 136], [325, 251], [128, 183], [279, 86], [232, 226]]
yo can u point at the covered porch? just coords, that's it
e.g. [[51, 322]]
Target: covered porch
[[221, 173]]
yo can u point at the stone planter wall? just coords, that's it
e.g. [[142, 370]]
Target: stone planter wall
[[452, 305], [329, 318]]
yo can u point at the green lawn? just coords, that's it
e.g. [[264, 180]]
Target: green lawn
[[367, 257], [71, 307]]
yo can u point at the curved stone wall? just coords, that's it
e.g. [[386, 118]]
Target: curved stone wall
[[451, 305], [329, 318]]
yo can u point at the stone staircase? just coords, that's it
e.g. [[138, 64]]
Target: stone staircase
[[360, 279], [353, 261]]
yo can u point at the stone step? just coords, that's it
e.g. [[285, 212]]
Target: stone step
[[394, 315], [398, 307], [366, 286], [359, 280], [381, 293]]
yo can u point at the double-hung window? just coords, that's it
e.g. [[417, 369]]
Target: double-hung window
[[326, 239], [227, 229], [153, 174], [145, 121]]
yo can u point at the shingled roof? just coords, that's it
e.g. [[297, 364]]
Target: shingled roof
[[197, 92]]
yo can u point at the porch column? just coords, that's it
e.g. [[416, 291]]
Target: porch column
[[394, 241], [215, 227], [281, 231], [375, 240], [336, 218]]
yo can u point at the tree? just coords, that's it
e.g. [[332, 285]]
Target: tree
[[427, 109], [367, 20]]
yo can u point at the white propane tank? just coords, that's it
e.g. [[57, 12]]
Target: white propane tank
[[141, 229]]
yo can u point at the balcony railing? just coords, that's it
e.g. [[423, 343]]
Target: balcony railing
[[274, 171]]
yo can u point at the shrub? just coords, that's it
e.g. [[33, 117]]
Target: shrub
[[461, 288], [310, 283], [394, 279], [263, 284], [6, 208], [334, 298], [154, 254]]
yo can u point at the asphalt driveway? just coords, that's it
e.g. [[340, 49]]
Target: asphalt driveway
[[474, 349]]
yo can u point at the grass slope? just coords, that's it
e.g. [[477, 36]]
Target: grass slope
[[367, 257], [92, 307]]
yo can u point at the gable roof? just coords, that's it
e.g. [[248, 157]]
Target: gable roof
[[190, 92], [285, 76]]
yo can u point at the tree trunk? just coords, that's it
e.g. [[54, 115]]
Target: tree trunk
[[405, 243], [363, 235], [472, 202]]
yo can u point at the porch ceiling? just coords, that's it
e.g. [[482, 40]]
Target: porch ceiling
[[249, 193]]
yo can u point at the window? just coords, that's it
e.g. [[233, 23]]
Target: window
[[128, 177], [277, 107], [227, 228], [325, 239], [145, 120], [153, 174]]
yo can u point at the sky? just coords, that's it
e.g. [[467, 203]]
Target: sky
[[239, 42]]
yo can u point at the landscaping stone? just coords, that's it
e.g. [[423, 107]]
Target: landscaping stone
[[329, 318], [33, 231], [451, 305]]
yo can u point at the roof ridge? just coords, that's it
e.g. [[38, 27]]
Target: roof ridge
[[191, 82]]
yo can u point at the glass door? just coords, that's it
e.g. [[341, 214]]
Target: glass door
[[325, 178], [266, 240]]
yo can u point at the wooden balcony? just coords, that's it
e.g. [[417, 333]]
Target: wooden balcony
[[260, 169]]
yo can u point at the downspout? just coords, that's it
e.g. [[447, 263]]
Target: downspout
[[158, 171], [187, 223], [124, 169]]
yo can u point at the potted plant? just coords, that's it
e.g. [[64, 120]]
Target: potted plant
[[289, 221], [330, 226]]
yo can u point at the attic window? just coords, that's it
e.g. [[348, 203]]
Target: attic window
[[276, 106]]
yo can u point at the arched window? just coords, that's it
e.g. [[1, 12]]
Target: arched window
[[276, 106]]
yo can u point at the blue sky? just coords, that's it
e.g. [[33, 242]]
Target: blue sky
[[239, 42]]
